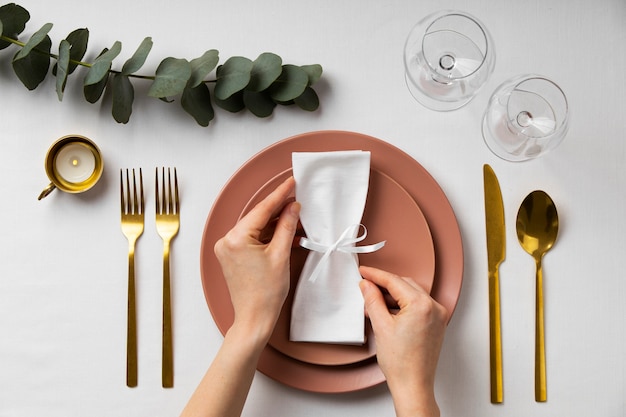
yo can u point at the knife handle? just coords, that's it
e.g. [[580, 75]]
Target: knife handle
[[495, 338]]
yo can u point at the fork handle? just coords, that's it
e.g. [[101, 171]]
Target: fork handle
[[167, 371], [131, 335]]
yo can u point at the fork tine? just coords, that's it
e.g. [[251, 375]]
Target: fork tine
[[170, 204], [142, 205], [135, 199], [157, 194], [122, 190], [128, 196], [176, 200]]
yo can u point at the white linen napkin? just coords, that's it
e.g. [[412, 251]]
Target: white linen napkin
[[331, 188]]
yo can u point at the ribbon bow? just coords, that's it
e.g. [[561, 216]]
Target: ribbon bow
[[343, 244]]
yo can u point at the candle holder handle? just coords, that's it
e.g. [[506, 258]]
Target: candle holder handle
[[47, 191]]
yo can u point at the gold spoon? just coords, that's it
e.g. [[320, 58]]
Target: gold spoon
[[537, 228]]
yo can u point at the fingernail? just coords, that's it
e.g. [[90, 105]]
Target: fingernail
[[363, 286], [294, 208]]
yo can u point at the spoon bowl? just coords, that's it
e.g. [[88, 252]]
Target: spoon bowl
[[537, 228]]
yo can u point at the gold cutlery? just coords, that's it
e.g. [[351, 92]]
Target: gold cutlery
[[132, 209], [537, 228], [167, 224], [496, 247]]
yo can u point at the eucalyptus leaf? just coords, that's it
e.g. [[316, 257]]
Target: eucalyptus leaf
[[233, 104], [201, 67], [32, 69], [102, 65], [197, 102], [93, 92], [37, 38], [290, 84], [14, 20], [78, 39], [314, 72], [123, 96], [232, 77], [139, 57], [171, 78], [308, 100], [62, 67], [259, 103], [265, 70], [78, 47]]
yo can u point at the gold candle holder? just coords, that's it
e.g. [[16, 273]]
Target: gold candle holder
[[73, 165]]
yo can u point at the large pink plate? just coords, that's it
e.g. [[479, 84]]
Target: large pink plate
[[386, 158], [391, 215]]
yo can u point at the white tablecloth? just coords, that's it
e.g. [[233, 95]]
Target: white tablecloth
[[63, 265]]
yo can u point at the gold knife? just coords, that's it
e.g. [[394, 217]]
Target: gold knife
[[496, 248]]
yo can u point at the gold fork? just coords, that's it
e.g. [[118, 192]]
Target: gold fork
[[167, 224], [132, 208]]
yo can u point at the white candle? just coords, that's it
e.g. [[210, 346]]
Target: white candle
[[75, 162]]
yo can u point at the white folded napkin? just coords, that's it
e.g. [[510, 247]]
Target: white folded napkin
[[332, 189]]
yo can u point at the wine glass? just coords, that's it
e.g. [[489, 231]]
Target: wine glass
[[526, 117], [448, 57]]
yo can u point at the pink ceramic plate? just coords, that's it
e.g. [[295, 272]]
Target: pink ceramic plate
[[386, 158], [390, 214]]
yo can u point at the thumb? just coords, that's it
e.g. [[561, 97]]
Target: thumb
[[286, 227], [375, 305]]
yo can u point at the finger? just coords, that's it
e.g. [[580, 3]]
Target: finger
[[286, 228], [375, 305], [256, 220], [396, 286]]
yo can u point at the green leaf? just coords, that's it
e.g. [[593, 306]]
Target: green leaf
[[139, 57], [171, 78], [37, 38], [102, 65], [78, 40], [314, 72], [62, 67], [232, 77], [93, 92], [14, 20], [197, 102], [308, 100], [201, 67], [78, 47], [265, 70], [32, 69], [259, 103], [233, 104], [123, 96], [291, 83]]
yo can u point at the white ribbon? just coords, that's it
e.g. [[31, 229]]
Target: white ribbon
[[344, 244]]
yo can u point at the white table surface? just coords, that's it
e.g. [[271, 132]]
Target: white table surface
[[63, 265]]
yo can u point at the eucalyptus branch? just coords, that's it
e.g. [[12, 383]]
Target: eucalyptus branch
[[238, 84]]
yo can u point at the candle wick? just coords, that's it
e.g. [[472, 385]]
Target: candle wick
[[75, 161]]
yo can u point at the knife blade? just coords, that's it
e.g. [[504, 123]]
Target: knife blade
[[496, 248]]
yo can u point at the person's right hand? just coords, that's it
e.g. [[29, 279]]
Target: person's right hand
[[408, 341]]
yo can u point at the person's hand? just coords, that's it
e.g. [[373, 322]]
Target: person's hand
[[408, 341], [257, 273]]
